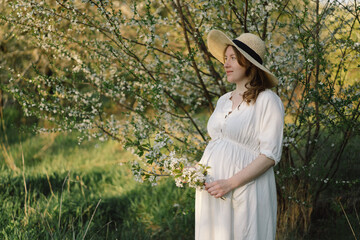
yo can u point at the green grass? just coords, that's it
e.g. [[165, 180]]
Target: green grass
[[75, 191], [65, 183]]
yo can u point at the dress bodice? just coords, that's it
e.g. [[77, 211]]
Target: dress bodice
[[257, 126]]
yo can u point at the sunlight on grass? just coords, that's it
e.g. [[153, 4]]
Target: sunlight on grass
[[67, 190]]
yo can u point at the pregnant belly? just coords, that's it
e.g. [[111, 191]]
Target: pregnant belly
[[226, 157]]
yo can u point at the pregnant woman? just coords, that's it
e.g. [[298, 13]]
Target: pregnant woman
[[246, 130]]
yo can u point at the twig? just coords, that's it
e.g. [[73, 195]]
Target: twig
[[23, 175], [352, 230], [47, 176], [91, 218], [62, 190], [357, 215], [107, 227]]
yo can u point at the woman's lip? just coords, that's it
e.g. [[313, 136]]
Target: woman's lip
[[227, 72]]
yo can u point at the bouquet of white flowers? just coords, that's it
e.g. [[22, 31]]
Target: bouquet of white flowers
[[162, 160], [184, 173]]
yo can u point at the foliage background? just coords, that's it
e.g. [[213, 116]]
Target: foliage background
[[132, 70]]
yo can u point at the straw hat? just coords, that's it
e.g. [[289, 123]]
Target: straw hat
[[249, 45]]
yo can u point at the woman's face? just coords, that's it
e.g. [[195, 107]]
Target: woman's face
[[234, 71]]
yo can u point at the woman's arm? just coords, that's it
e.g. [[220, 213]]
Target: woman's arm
[[256, 168]]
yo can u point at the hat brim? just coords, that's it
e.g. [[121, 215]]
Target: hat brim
[[217, 43]]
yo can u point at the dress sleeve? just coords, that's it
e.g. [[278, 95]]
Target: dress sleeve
[[271, 126]]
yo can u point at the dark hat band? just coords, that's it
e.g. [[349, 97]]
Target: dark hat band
[[248, 50]]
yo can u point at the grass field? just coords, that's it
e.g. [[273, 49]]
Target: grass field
[[63, 190], [74, 191]]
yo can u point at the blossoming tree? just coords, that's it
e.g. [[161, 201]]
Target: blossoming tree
[[139, 72]]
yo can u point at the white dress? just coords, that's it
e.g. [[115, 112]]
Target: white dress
[[248, 212]]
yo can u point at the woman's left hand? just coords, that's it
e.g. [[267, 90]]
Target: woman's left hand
[[218, 188]]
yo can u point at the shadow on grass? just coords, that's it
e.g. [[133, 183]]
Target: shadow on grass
[[65, 209]]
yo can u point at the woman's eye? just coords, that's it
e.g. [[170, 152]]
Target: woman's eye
[[232, 58]]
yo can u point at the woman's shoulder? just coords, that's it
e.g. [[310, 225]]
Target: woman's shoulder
[[269, 97], [224, 97]]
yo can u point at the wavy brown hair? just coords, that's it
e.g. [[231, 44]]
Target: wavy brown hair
[[258, 79]]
